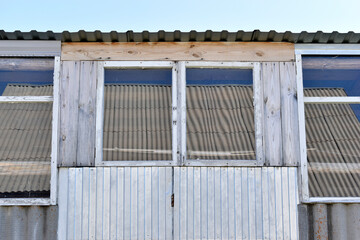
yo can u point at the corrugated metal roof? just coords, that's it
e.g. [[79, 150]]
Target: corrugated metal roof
[[192, 36], [333, 147], [25, 141]]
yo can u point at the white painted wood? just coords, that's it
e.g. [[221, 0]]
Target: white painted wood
[[273, 208], [272, 114], [258, 113], [327, 49], [86, 118], [219, 163], [78, 215], [155, 203], [266, 228], [120, 232], [69, 99], [174, 116], [99, 217], [63, 203], [197, 204], [71, 204], [217, 221], [289, 114], [190, 203], [148, 203], [30, 48], [238, 191], [334, 100], [285, 203], [92, 203], [20, 99], [182, 110], [99, 114], [196, 64], [279, 208], [85, 203], [245, 201], [333, 200], [258, 203], [107, 208], [302, 136], [293, 202], [138, 64]]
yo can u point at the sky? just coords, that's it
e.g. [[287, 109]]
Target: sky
[[184, 15]]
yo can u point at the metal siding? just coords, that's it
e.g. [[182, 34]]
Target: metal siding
[[330, 221], [235, 203], [28, 222], [124, 203]]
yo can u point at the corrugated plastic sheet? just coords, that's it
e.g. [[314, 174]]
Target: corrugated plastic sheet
[[192, 36], [220, 122], [30, 223], [137, 122], [25, 141], [333, 147]]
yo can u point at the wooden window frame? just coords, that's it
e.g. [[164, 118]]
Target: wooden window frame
[[38, 49], [318, 49], [179, 112]]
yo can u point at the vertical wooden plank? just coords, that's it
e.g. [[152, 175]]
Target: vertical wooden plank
[[169, 209], [183, 204], [289, 114], [63, 202], [203, 202], [148, 203], [177, 202], [107, 208], [286, 204], [127, 201], [279, 203], [86, 117], [120, 204], [238, 204], [155, 202], [190, 202], [69, 102], [272, 203], [211, 203], [92, 203], [252, 203], [133, 202], [113, 202], [224, 203], [245, 218], [231, 202], [293, 201], [272, 114], [78, 218], [99, 222], [141, 202], [217, 202], [162, 202], [265, 203], [258, 201], [197, 203], [71, 204], [85, 202]]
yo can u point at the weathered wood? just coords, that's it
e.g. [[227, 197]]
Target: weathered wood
[[289, 114], [86, 118], [272, 114], [69, 109], [178, 51]]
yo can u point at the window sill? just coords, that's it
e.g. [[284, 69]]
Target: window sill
[[332, 200], [25, 202]]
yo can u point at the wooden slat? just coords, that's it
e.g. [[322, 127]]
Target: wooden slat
[[179, 51], [86, 118], [290, 124], [69, 99], [272, 114]]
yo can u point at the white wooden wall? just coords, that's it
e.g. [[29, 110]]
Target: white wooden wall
[[78, 103], [210, 203]]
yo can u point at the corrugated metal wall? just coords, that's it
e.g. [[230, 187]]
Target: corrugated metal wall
[[122, 203], [235, 203], [29, 223], [329, 221], [213, 203]]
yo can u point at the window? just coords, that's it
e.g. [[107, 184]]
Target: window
[[329, 110], [184, 113], [28, 125]]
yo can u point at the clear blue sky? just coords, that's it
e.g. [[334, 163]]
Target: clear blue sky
[[184, 15]]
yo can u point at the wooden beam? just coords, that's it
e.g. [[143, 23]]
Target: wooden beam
[[180, 51]]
